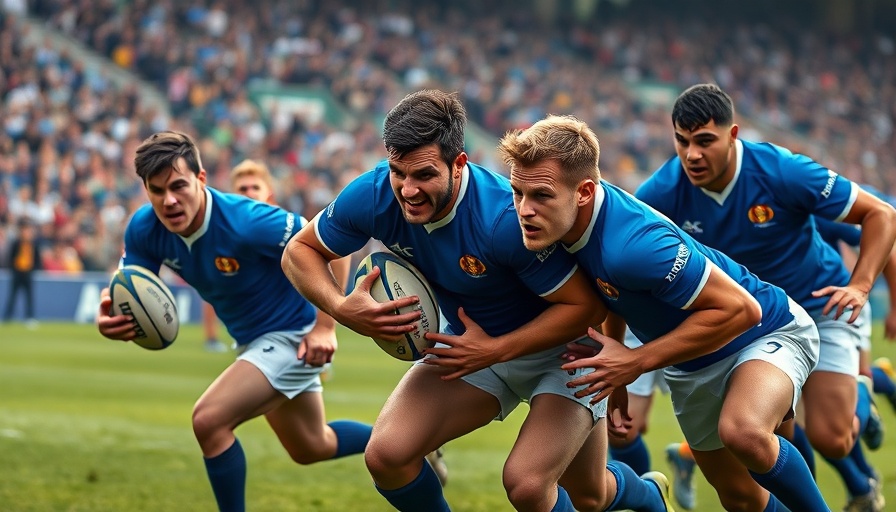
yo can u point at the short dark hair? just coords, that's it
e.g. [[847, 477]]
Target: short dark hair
[[700, 104], [426, 117], [161, 151]]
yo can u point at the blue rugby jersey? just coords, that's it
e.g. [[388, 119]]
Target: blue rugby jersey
[[474, 257], [764, 217], [649, 271], [233, 261]]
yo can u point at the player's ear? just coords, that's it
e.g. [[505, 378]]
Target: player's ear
[[585, 191], [202, 176], [732, 133], [459, 162]]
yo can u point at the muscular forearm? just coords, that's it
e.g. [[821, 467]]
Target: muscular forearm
[[559, 324], [310, 274], [703, 332], [875, 247]]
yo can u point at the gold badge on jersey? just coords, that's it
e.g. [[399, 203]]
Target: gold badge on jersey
[[227, 266], [760, 214], [608, 289], [472, 266]]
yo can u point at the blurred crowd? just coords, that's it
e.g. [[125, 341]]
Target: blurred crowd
[[68, 133]]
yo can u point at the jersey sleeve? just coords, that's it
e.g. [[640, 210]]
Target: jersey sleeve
[[814, 188], [833, 232], [137, 249], [660, 261], [346, 225], [543, 272], [267, 229]]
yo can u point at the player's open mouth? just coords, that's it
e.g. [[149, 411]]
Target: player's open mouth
[[414, 207], [175, 217], [529, 229]]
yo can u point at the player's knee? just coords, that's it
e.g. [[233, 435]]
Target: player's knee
[[383, 459], [749, 442], [308, 455], [831, 442], [206, 422], [525, 490]]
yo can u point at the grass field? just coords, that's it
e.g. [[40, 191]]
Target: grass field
[[87, 424]]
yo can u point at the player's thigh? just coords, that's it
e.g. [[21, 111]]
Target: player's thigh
[[830, 400], [759, 396], [300, 424], [538, 449], [424, 412], [240, 393], [732, 481], [586, 478]]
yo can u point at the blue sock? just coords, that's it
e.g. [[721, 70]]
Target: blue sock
[[863, 407], [882, 382], [564, 504], [424, 494], [632, 491], [801, 442], [856, 482], [634, 454], [790, 481], [857, 454], [774, 505], [351, 437], [227, 474]]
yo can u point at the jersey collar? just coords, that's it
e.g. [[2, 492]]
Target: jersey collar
[[720, 197], [202, 229], [464, 181], [599, 196]]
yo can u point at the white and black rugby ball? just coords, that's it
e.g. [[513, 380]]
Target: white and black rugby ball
[[139, 293], [399, 278]]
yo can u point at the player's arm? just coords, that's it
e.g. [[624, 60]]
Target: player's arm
[[889, 274], [305, 263], [575, 306], [878, 221], [721, 311], [319, 345], [121, 327]]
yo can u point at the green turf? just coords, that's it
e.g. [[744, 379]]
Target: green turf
[[88, 424]]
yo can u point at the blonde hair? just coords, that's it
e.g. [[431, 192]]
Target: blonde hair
[[250, 167], [564, 139]]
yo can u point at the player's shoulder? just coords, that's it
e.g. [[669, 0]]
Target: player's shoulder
[[488, 190], [664, 180], [770, 160]]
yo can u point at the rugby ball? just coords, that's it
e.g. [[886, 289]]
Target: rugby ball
[[399, 278], [138, 292]]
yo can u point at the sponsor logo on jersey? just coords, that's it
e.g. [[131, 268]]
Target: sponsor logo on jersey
[[760, 214], [401, 251], [330, 209], [832, 177], [544, 253], [681, 259], [472, 266], [288, 229], [692, 227], [607, 289], [172, 264], [227, 266]]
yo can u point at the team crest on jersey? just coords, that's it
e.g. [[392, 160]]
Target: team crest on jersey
[[608, 289], [760, 214], [472, 266], [227, 266]]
